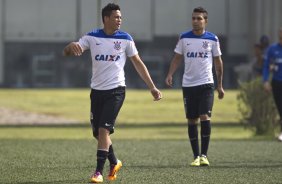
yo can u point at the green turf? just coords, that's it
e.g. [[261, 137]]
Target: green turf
[[138, 108], [156, 161], [150, 154], [143, 132], [150, 139]]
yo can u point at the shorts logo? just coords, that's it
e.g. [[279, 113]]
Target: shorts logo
[[107, 125], [117, 45]]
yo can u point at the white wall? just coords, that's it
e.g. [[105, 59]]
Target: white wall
[[272, 19], [173, 17], [40, 20], [278, 20], [265, 19], [238, 27], [89, 15], [1, 46], [136, 17], [57, 20]]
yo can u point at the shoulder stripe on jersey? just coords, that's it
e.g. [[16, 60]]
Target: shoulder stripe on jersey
[[207, 35], [118, 35]]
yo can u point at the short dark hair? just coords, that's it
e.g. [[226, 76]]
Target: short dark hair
[[107, 10], [201, 10]]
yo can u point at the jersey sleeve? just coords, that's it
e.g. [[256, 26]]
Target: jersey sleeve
[[179, 47], [131, 49], [216, 48], [84, 42]]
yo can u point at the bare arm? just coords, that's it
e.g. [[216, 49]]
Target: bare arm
[[144, 74], [176, 61], [73, 49], [219, 74]]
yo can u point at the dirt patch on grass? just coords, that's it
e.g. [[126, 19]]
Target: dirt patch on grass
[[17, 117]]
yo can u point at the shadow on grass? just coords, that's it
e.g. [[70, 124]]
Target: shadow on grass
[[156, 166], [133, 125], [54, 182], [225, 165], [247, 166]]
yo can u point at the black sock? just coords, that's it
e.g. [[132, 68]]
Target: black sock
[[205, 136], [193, 136], [111, 156], [101, 159]]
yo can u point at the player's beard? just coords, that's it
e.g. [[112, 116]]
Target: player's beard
[[117, 26], [198, 28]]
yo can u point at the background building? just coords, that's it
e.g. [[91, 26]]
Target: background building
[[34, 32]]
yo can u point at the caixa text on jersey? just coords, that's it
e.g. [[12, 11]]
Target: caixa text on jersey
[[102, 57], [197, 54]]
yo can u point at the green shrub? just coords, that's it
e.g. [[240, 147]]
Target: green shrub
[[257, 107]]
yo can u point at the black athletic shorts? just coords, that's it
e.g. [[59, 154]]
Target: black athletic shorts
[[198, 100], [277, 95], [105, 106]]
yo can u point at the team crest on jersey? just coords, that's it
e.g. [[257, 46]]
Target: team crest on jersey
[[205, 44], [117, 45]]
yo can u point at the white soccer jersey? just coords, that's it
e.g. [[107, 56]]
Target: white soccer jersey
[[198, 52], [108, 53]]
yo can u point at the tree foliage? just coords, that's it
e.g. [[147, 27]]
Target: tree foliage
[[257, 107]]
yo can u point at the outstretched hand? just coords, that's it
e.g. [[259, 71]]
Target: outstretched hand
[[156, 94], [73, 49]]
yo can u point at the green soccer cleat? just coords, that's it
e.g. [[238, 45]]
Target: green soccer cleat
[[204, 161], [96, 177], [113, 171], [196, 162]]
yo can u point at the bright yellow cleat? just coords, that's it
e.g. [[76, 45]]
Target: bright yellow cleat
[[196, 162], [113, 171], [204, 161], [96, 177]]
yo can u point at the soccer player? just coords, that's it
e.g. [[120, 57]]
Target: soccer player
[[200, 49], [109, 49], [273, 62]]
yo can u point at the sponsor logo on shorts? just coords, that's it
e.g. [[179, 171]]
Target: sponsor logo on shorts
[[107, 125]]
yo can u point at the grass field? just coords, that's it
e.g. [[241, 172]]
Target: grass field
[[154, 161], [153, 146], [138, 108]]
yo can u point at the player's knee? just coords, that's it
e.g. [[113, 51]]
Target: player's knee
[[204, 117], [192, 121], [103, 131]]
